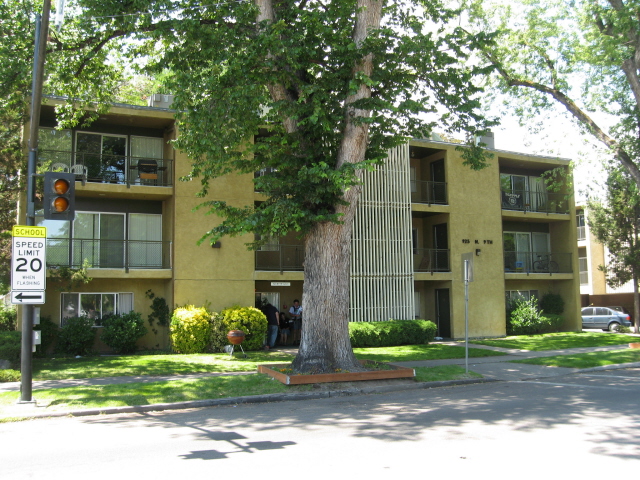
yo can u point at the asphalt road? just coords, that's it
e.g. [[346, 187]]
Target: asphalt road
[[582, 426]]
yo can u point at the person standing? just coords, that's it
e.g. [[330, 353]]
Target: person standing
[[273, 322], [296, 316]]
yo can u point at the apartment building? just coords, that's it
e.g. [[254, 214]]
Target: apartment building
[[593, 281], [421, 214]]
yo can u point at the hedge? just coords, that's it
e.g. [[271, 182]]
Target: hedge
[[391, 333]]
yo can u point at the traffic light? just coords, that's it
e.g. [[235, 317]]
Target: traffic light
[[59, 196]]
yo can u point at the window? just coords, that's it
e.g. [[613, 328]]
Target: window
[[513, 295], [103, 155], [145, 240], [99, 238], [94, 305]]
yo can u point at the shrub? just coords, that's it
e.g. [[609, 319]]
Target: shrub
[[552, 303], [248, 319], [8, 318], [10, 346], [77, 336], [9, 375], [48, 336], [391, 333], [121, 332], [526, 319], [190, 329]]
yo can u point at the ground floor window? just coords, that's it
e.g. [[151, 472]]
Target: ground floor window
[[513, 295], [94, 305]]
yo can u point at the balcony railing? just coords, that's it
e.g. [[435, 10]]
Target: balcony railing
[[136, 254], [582, 233], [429, 192], [119, 169], [537, 262], [431, 260], [534, 201], [278, 257]]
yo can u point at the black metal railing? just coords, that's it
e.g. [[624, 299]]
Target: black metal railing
[[278, 257], [431, 260], [118, 169], [534, 201], [429, 192], [537, 262], [137, 254]]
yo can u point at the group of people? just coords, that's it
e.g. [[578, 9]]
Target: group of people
[[282, 328]]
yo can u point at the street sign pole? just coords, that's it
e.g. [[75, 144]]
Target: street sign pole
[[42, 31]]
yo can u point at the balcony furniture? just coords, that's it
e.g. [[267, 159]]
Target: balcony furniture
[[80, 171], [148, 169]]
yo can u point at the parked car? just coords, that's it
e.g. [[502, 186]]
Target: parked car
[[621, 309], [605, 318]]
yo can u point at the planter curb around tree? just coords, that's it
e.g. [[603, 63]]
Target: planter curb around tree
[[296, 379]]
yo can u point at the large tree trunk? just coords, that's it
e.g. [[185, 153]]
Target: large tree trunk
[[325, 345]]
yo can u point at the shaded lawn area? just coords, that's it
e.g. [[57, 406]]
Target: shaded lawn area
[[152, 365], [73, 398], [558, 341], [586, 360], [166, 365]]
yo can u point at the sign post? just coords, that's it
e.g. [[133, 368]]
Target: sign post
[[28, 277]]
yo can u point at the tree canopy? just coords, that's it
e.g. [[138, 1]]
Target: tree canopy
[[581, 55], [615, 222]]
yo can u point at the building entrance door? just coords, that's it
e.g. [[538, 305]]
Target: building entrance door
[[443, 313]]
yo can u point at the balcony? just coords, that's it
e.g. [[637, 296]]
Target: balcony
[[534, 201], [117, 169], [431, 260], [429, 192], [537, 262], [582, 233], [127, 254], [280, 258]]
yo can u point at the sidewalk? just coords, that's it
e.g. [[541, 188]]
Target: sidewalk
[[496, 368]]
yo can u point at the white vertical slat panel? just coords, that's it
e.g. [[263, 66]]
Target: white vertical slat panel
[[382, 266]]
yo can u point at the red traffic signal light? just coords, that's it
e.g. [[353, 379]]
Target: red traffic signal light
[[59, 196]]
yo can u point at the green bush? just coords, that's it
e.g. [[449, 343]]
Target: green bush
[[10, 346], [248, 319], [526, 319], [48, 336], [391, 333], [8, 318], [121, 332], [552, 303], [77, 336], [9, 375], [190, 329]]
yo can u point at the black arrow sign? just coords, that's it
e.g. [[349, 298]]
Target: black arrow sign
[[21, 296]]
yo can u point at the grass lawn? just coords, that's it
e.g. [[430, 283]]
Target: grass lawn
[[409, 353], [161, 365], [73, 398], [586, 360], [557, 341], [153, 365]]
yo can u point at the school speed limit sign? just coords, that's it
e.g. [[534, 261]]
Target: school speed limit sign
[[28, 264]]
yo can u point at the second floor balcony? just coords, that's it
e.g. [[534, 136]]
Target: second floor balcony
[[431, 260], [101, 253], [537, 262], [117, 169]]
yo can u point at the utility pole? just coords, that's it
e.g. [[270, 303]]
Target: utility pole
[[42, 32]]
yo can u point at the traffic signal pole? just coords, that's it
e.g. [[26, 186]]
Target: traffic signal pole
[[42, 31]]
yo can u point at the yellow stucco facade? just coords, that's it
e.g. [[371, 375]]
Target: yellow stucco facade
[[155, 248]]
